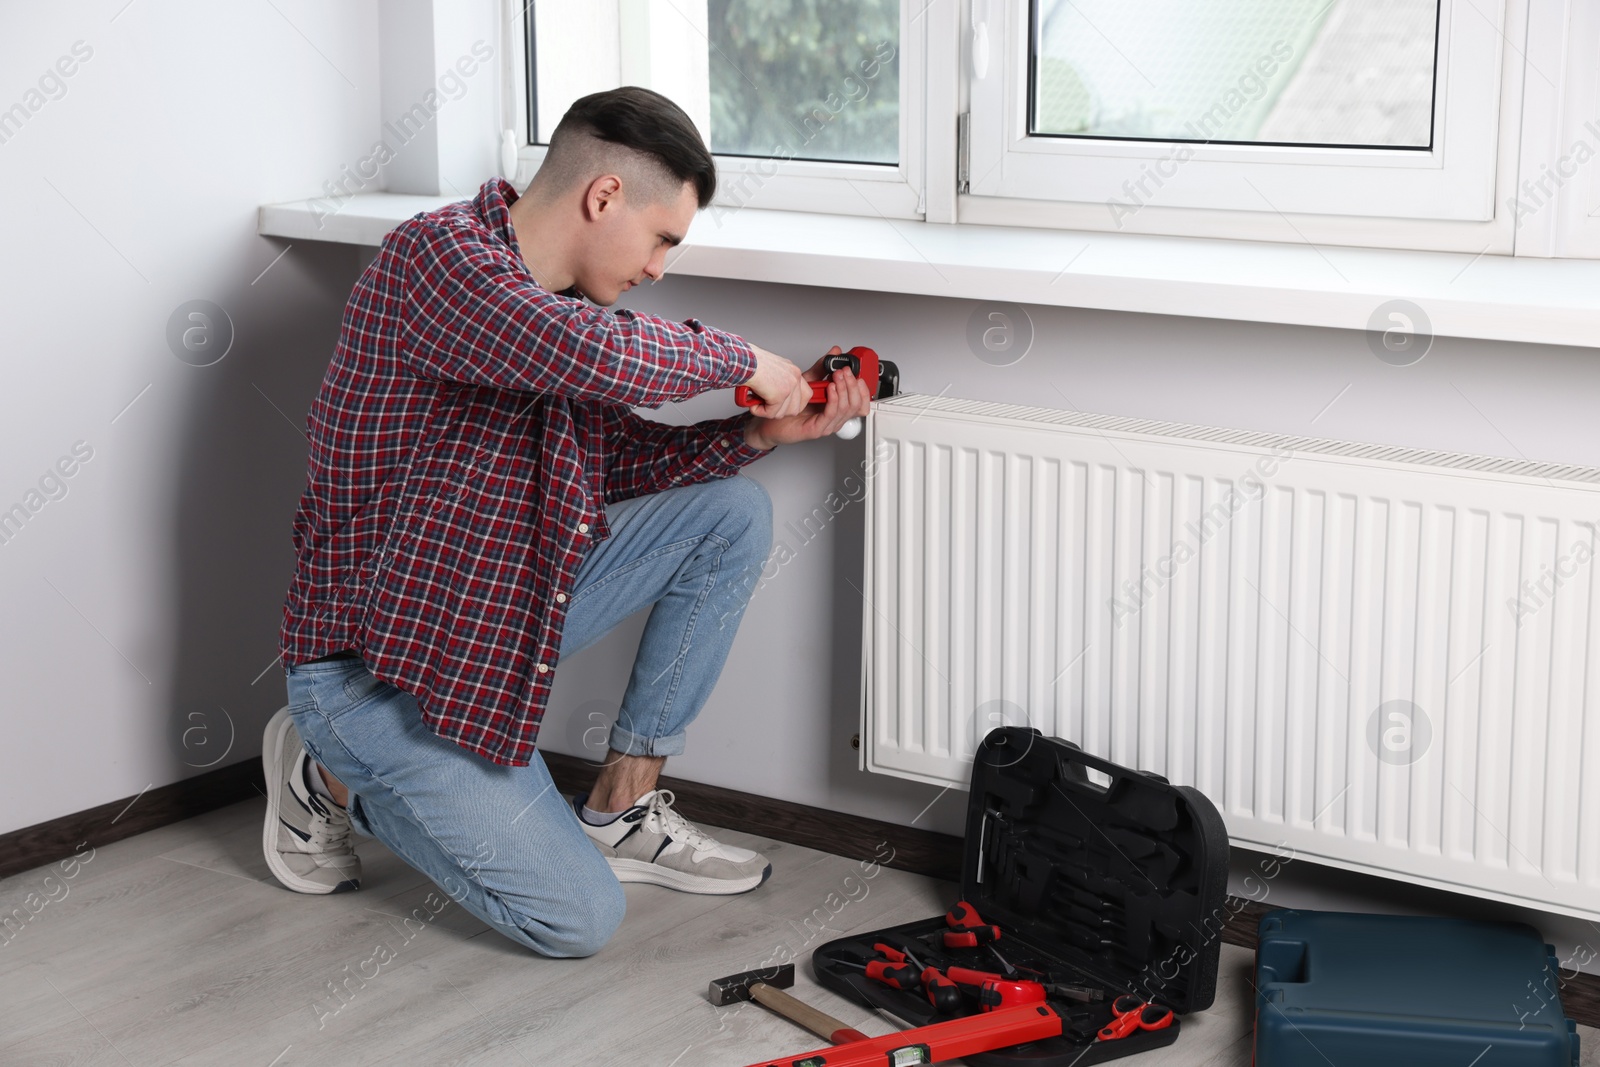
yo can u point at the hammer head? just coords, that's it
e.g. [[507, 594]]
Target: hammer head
[[737, 986]]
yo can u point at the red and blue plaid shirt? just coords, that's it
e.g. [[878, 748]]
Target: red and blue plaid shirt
[[467, 435]]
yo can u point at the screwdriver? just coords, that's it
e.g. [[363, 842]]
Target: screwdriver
[[992, 990], [1005, 965], [898, 975], [967, 928], [943, 994]]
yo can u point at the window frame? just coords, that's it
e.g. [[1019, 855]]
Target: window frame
[[1556, 202], [893, 191], [1441, 197]]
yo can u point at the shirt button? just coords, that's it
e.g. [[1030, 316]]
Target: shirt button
[[544, 668], [561, 598], [724, 442], [583, 527]]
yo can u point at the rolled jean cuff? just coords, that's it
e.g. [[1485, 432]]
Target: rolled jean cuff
[[358, 818], [631, 744]]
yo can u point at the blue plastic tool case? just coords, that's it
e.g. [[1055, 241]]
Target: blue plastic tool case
[[1341, 989], [1097, 874]]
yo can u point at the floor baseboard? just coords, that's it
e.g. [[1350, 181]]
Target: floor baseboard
[[852, 836], [47, 842]]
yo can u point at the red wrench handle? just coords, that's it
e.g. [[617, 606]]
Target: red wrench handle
[[860, 356], [747, 399], [994, 991], [996, 994]]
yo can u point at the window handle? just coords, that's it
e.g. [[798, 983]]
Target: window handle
[[980, 41]]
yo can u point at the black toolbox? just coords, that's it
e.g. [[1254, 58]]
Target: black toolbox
[[1097, 875]]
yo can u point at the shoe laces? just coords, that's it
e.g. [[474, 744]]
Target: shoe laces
[[330, 824], [330, 832], [662, 817]]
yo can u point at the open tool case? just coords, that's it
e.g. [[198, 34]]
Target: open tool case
[[1097, 875]]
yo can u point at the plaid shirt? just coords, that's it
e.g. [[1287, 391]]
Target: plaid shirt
[[467, 435]]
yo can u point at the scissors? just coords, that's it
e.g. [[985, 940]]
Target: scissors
[[1130, 1013]]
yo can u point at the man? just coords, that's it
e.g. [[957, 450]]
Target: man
[[482, 503]]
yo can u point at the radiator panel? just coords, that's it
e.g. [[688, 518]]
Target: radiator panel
[[1242, 613]]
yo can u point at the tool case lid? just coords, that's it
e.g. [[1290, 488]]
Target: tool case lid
[[1116, 872], [1419, 989]]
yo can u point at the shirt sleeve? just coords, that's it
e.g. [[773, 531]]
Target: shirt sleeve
[[474, 315], [643, 456]]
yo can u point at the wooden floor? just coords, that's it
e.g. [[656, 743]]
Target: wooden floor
[[178, 947]]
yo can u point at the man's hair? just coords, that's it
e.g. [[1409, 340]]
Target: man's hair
[[636, 133]]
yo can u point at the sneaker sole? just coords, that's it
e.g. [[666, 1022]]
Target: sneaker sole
[[272, 765], [648, 873]]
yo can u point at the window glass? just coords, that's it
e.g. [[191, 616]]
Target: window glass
[[1342, 73], [795, 79]]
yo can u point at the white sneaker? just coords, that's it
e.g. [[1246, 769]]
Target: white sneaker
[[652, 843], [306, 838]]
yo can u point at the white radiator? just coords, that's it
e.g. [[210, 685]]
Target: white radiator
[[1381, 659]]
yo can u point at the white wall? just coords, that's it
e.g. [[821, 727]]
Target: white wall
[[143, 605]]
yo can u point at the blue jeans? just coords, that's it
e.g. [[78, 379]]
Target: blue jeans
[[500, 840]]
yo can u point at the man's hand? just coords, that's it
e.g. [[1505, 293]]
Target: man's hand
[[848, 397], [779, 385]]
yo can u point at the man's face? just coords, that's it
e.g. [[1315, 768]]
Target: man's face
[[631, 243]]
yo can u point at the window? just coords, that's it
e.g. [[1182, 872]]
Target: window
[[1456, 125], [800, 100], [1120, 113]]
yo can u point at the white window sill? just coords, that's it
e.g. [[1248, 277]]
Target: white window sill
[[1501, 298]]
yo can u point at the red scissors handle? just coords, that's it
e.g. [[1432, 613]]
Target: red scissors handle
[[1130, 1013]]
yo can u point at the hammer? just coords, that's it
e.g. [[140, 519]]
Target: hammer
[[766, 985]]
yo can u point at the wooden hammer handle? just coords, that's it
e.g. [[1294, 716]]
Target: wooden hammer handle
[[817, 1021]]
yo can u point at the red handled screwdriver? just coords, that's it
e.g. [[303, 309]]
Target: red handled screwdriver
[[897, 953], [897, 975], [943, 994], [967, 928]]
